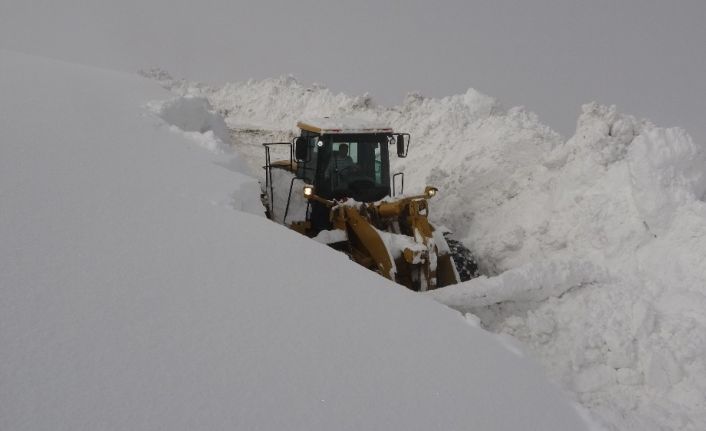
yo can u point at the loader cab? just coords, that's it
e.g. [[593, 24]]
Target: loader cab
[[345, 163]]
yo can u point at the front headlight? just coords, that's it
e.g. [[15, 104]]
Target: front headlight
[[308, 191], [430, 191]]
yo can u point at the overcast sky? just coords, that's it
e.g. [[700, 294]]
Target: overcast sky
[[646, 56]]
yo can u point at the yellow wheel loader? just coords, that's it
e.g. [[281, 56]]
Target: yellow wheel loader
[[336, 187]]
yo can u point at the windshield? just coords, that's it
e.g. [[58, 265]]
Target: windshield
[[358, 167]]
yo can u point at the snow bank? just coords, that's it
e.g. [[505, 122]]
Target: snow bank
[[624, 195], [667, 170], [605, 192], [136, 297], [593, 246], [270, 104], [194, 117]]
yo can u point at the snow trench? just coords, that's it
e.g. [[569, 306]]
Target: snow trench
[[594, 247], [134, 297]]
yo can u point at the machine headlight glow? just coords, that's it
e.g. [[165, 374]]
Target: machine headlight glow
[[430, 191], [308, 191]]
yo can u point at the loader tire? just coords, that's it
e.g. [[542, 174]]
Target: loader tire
[[466, 264]]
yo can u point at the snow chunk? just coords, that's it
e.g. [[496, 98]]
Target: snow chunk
[[667, 171], [331, 236], [531, 282]]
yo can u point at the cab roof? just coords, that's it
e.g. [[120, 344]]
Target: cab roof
[[330, 125]]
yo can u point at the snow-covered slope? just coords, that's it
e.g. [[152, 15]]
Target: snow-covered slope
[[143, 289], [594, 245]]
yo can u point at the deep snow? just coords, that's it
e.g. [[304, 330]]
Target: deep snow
[[143, 289], [593, 246]]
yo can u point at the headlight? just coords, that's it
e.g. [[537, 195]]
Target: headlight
[[430, 191], [308, 191]]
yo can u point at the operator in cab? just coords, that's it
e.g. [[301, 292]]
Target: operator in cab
[[341, 166]]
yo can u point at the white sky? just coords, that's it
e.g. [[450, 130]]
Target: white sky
[[646, 56]]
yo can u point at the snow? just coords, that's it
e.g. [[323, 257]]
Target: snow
[[592, 247], [617, 195], [144, 289], [272, 104], [194, 117], [331, 236], [282, 182], [532, 282], [350, 124], [396, 244]]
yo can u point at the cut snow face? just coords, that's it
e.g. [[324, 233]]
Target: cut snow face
[[194, 117], [136, 297], [597, 242]]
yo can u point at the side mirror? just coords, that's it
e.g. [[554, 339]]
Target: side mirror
[[301, 148], [401, 147]]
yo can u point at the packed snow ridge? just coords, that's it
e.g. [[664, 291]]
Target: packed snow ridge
[[593, 248]]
